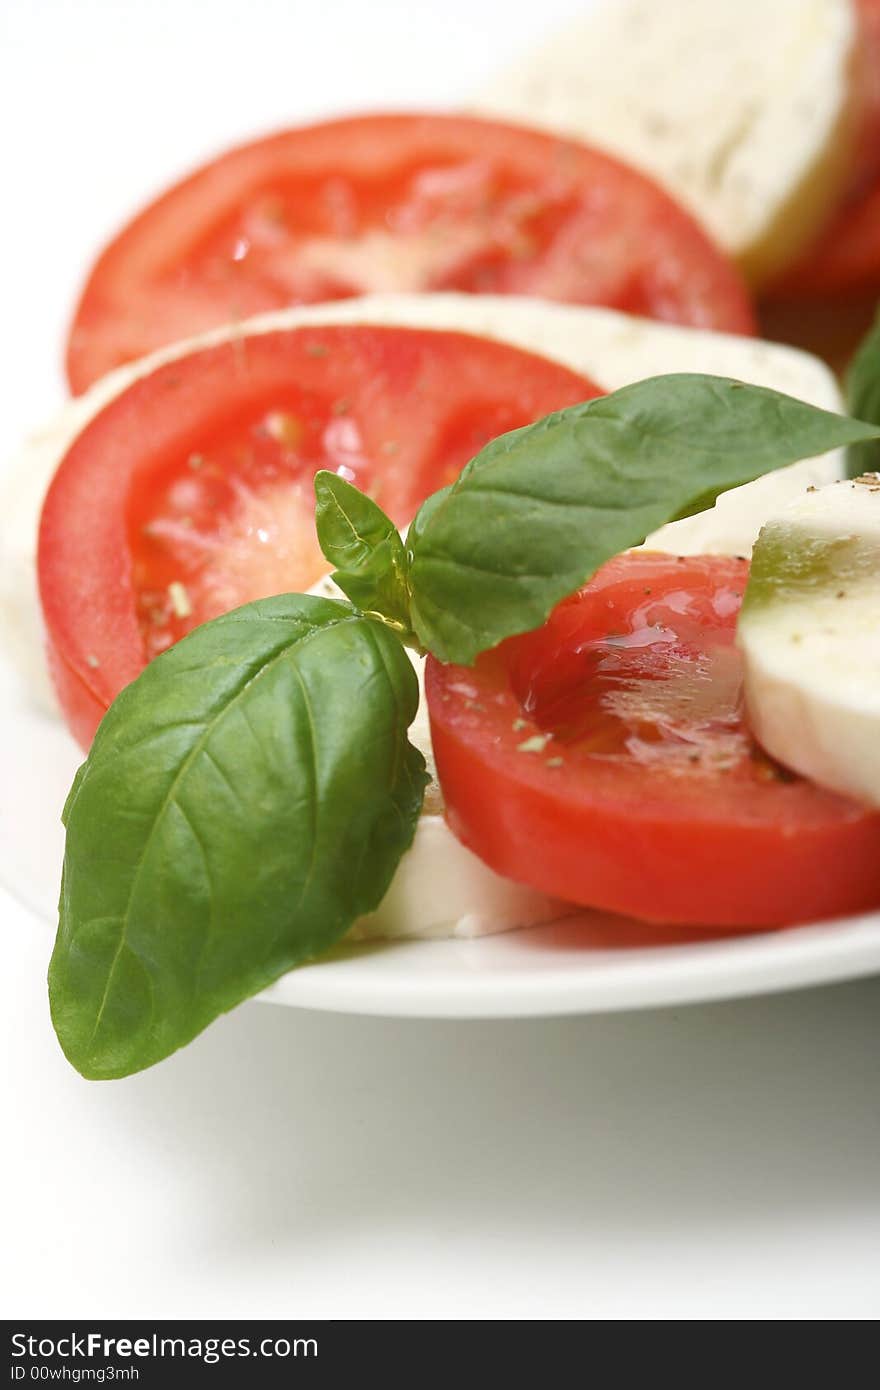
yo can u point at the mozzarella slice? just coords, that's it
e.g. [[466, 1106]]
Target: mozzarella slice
[[741, 108], [809, 631], [443, 889]]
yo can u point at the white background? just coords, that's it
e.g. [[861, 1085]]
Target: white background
[[713, 1162]]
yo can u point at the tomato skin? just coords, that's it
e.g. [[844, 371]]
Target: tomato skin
[[287, 219], [703, 848], [83, 708], [435, 397]]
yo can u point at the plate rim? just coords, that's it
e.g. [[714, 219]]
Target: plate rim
[[454, 978], [729, 968]]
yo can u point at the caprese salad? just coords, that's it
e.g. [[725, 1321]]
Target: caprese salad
[[391, 563]]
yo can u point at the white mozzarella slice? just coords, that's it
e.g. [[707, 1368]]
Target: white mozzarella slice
[[443, 889], [809, 631], [743, 109]]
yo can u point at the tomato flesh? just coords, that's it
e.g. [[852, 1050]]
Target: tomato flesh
[[192, 491], [398, 202], [605, 759]]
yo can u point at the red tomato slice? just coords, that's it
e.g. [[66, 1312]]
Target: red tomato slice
[[605, 759], [398, 202], [191, 492]]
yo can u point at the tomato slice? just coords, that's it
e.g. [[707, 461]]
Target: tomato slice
[[398, 202], [605, 759], [191, 492]]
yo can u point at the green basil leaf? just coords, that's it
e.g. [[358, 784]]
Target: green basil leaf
[[422, 517], [245, 799], [350, 525], [863, 400], [356, 535], [536, 513]]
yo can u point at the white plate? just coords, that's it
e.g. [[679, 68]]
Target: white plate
[[586, 964]]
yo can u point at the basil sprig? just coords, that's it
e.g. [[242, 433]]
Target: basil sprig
[[252, 792], [863, 400], [245, 799]]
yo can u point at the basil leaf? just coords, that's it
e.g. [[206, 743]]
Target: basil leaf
[[863, 400], [245, 799], [536, 513], [356, 535], [350, 525], [422, 517]]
